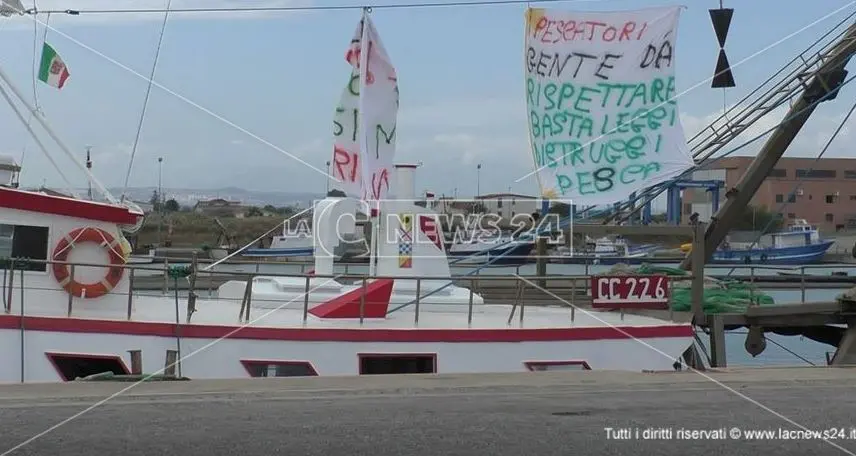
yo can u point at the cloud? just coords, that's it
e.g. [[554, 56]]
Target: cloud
[[128, 11], [466, 113]]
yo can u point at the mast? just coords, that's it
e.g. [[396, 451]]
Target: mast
[[374, 206]]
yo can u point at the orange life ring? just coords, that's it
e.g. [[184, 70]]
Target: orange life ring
[[62, 271]]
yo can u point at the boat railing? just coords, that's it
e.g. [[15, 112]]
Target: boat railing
[[188, 283], [517, 290]]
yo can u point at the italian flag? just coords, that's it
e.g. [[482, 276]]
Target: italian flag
[[52, 71]]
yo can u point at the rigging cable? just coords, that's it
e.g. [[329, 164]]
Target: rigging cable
[[146, 102], [5, 95], [456, 4], [34, 74]]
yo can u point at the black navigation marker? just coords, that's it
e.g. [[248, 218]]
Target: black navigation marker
[[721, 19]]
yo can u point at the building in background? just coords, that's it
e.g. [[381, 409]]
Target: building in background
[[219, 207], [823, 192], [507, 205]]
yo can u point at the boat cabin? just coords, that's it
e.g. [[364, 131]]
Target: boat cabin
[[798, 233], [41, 233]]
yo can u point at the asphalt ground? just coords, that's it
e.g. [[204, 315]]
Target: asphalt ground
[[499, 415]]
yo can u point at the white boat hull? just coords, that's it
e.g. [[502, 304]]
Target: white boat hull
[[328, 352], [61, 322]]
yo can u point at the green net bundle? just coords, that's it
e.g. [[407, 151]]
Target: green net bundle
[[720, 296]]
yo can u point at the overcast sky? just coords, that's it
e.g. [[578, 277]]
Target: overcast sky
[[250, 88]]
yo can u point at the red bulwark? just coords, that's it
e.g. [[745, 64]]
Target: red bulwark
[[377, 296], [48, 204]]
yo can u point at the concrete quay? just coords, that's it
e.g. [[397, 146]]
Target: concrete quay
[[549, 413]]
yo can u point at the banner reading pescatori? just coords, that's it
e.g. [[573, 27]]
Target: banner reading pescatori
[[600, 92]]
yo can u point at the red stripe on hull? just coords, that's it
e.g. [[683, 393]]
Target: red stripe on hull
[[137, 328]]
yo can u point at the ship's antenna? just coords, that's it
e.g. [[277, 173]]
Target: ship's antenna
[[89, 167]]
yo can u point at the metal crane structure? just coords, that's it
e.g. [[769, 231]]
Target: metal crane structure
[[811, 77], [817, 86]]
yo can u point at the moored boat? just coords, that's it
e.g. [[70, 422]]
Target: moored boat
[[63, 322], [491, 247], [606, 251], [799, 244]]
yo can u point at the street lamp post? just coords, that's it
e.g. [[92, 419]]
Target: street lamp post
[[327, 180], [478, 179], [89, 167], [160, 181], [159, 199]]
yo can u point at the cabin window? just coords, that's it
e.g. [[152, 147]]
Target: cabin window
[[830, 218], [539, 366], [374, 364], [791, 215], [780, 198], [830, 199], [73, 365], [262, 368], [778, 172], [792, 198], [25, 241]]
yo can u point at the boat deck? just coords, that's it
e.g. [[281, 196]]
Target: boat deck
[[213, 311]]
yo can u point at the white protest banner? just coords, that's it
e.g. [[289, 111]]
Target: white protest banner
[[365, 120], [600, 88]]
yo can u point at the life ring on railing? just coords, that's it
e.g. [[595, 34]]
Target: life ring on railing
[[62, 271], [763, 258]]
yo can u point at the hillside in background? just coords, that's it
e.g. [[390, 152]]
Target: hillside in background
[[189, 196]]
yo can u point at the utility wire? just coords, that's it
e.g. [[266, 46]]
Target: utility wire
[[455, 4]]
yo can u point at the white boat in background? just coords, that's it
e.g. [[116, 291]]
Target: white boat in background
[[61, 322], [490, 246], [148, 258], [606, 251], [302, 247]]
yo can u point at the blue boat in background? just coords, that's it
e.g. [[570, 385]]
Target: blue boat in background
[[799, 244]]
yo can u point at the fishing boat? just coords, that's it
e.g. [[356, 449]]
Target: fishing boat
[[494, 247], [62, 322], [606, 251], [800, 243], [285, 246]]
